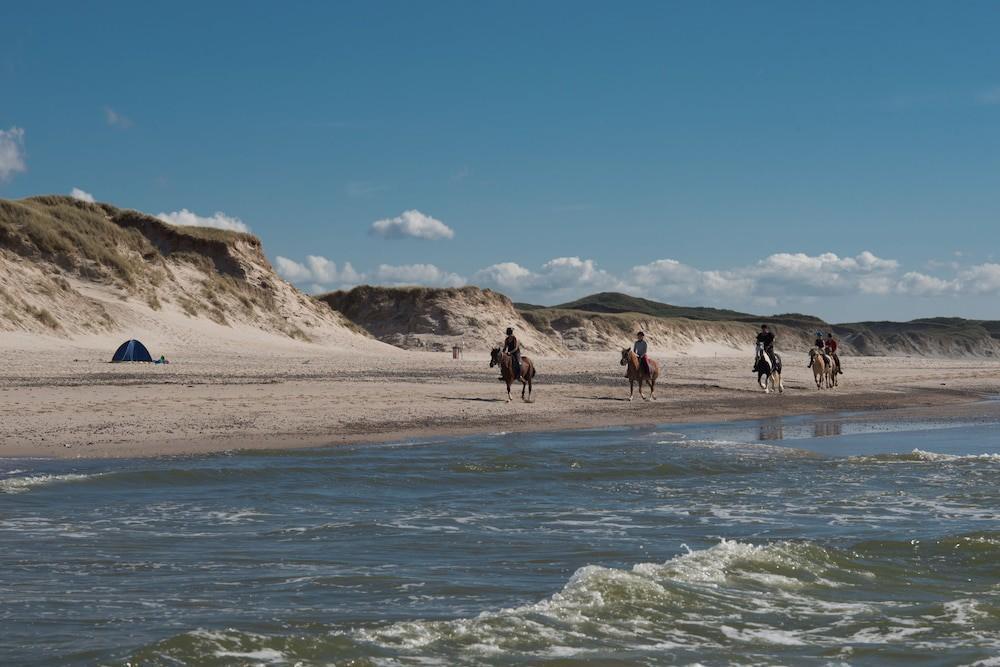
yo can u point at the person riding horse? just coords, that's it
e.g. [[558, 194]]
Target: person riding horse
[[640, 349], [765, 340], [512, 347], [830, 346]]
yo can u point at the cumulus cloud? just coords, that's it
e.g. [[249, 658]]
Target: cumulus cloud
[[416, 274], [219, 220], [115, 119], [562, 277], [12, 158], [981, 279], [778, 281], [669, 278], [412, 224], [914, 283], [317, 270], [82, 195], [322, 274]]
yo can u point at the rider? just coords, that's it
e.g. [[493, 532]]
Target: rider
[[766, 341], [820, 346], [511, 346], [831, 349], [640, 351]]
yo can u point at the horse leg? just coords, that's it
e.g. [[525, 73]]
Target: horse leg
[[509, 399], [524, 385], [781, 385], [631, 389], [652, 389]]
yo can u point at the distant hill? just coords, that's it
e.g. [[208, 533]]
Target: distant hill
[[616, 302], [427, 318], [435, 319]]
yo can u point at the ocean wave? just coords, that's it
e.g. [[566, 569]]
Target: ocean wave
[[29, 482], [921, 456], [787, 599]]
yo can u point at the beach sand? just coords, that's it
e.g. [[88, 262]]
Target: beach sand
[[63, 399]]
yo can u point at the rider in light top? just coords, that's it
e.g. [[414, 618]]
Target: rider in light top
[[831, 348], [640, 348], [766, 340]]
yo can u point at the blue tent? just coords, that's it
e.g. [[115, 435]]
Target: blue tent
[[132, 350]]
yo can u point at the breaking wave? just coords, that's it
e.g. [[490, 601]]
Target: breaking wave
[[788, 599]]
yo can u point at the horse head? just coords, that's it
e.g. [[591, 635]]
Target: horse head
[[625, 354], [494, 357]]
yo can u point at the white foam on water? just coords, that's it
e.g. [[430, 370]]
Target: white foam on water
[[763, 636], [268, 656], [922, 456], [24, 484]]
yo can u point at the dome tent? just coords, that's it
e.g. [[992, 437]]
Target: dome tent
[[132, 350]]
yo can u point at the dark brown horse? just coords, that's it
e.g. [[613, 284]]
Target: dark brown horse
[[636, 373], [506, 363]]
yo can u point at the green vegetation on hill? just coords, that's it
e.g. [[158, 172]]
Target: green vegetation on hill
[[615, 302]]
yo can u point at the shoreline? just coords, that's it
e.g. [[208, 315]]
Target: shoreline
[[199, 412]]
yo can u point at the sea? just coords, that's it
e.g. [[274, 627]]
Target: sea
[[816, 540]]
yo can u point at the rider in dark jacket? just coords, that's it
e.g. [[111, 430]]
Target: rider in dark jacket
[[766, 340], [640, 349], [511, 346]]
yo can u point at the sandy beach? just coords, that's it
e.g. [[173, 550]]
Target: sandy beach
[[60, 399]]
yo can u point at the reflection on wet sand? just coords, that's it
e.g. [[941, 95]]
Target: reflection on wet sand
[[826, 429], [772, 430]]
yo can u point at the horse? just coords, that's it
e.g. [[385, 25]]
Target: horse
[[768, 378], [636, 373], [822, 370], [506, 363]]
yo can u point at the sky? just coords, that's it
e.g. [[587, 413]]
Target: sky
[[838, 159]]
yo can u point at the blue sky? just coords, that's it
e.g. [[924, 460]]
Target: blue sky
[[838, 159]]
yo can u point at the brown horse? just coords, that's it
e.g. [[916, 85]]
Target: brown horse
[[636, 373], [506, 363], [822, 369]]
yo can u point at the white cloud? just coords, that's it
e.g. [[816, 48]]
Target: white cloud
[[412, 224], [981, 279], [220, 220], [12, 158], [115, 119], [505, 276], [559, 278], [778, 282], [322, 274], [319, 271], [416, 274], [920, 284], [82, 195], [668, 278]]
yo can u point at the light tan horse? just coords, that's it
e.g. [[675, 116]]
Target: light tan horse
[[636, 373], [506, 363], [822, 371]]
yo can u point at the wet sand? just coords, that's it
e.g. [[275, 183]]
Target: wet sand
[[69, 402]]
